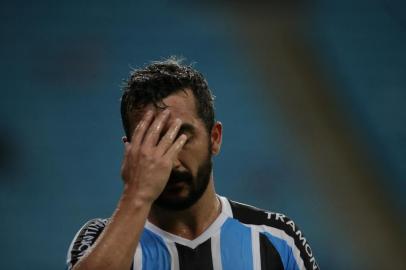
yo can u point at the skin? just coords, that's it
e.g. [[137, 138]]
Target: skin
[[154, 150]]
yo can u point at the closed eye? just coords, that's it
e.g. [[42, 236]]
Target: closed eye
[[187, 129]]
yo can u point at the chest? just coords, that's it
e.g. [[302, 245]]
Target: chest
[[223, 250]]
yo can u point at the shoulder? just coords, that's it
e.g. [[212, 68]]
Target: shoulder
[[278, 228], [90, 231], [248, 214], [85, 238]]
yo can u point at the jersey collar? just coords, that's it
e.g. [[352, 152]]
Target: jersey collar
[[208, 233]]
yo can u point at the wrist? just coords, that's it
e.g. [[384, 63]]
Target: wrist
[[135, 199]]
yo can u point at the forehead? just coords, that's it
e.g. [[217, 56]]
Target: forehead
[[181, 104]]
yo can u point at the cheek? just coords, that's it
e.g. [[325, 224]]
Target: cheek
[[194, 149], [187, 156], [192, 156]]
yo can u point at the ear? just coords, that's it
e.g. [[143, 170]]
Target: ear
[[216, 137]]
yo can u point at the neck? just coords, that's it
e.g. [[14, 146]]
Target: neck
[[191, 222]]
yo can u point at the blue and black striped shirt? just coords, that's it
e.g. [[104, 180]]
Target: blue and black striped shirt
[[241, 238]]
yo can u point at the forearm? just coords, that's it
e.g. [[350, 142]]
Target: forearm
[[148, 161], [115, 247]]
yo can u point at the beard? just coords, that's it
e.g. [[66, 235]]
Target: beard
[[196, 185]]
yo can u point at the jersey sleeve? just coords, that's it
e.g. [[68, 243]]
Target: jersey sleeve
[[83, 240], [281, 233], [289, 240]]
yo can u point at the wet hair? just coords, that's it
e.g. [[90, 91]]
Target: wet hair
[[156, 81]]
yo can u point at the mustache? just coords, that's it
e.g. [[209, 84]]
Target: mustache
[[178, 176]]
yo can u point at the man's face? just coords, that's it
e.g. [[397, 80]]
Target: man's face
[[191, 171], [183, 188]]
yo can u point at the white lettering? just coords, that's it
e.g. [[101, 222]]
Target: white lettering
[[299, 233], [291, 224], [313, 260], [302, 239], [280, 216], [88, 238], [83, 247], [269, 215], [308, 250]]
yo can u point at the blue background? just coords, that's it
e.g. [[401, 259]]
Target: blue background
[[311, 96]]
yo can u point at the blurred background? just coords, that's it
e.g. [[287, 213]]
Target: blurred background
[[312, 96]]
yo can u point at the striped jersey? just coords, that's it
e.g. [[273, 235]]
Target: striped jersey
[[241, 238]]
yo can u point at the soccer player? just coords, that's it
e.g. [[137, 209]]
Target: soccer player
[[169, 216]]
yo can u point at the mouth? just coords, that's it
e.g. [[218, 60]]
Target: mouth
[[175, 186], [176, 183]]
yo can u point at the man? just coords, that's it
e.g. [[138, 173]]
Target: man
[[169, 216]]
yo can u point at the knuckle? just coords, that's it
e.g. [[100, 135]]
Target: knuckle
[[144, 150], [166, 163], [154, 158], [144, 153]]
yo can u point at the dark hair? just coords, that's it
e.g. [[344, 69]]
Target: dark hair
[[156, 81]]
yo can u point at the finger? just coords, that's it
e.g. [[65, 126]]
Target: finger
[[151, 138], [140, 130], [176, 147], [167, 140]]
